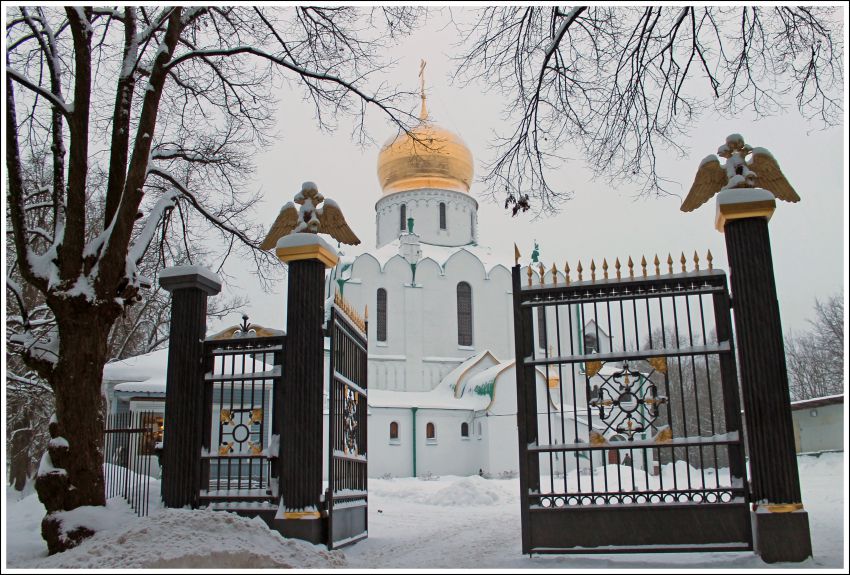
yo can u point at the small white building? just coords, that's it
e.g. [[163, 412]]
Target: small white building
[[819, 424]]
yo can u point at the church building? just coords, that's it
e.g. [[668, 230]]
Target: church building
[[442, 388]]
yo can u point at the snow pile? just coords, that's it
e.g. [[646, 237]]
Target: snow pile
[[115, 515], [466, 491], [177, 538], [447, 492]]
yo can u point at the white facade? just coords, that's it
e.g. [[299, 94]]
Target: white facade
[[441, 344]]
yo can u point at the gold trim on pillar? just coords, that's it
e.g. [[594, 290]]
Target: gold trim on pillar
[[780, 507], [738, 211], [302, 515], [308, 252]]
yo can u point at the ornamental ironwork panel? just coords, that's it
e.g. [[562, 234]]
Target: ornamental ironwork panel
[[638, 440], [241, 375], [347, 494]]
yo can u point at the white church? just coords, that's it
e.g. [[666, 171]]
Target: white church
[[442, 387], [441, 379]]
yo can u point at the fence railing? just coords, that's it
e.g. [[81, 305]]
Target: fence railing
[[131, 462]]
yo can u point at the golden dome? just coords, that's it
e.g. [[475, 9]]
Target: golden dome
[[426, 157]]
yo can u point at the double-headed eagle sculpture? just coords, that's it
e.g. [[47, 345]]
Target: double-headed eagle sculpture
[[310, 218], [760, 171]]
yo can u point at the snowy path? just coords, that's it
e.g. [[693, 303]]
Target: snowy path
[[454, 522]]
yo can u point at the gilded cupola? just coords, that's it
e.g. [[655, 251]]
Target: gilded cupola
[[427, 156]]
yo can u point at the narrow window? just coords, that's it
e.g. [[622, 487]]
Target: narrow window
[[464, 314], [394, 430], [591, 344], [402, 224], [464, 429], [382, 314], [442, 215], [430, 431], [541, 327]]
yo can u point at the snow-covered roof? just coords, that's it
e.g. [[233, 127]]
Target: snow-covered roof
[[149, 366], [147, 373], [817, 401], [150, 386]]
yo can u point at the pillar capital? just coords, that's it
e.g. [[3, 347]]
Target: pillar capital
[[740, 203], [306, 246], [183, 277]]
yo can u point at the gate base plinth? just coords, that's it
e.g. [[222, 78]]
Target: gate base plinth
[[782, 537], [313, 531]]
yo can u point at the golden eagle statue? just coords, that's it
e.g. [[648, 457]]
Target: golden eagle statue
[[761, 171], [310, 218]]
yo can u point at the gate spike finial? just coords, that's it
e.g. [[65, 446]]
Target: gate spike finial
[[684, 262], [710, 259], [516, 255], [605, 268], [554, 273], [366, 313], [530, 273], [542, 270], [617, 267], [657, 263], [592, 270], [631, 266], [696, 261], [669, 263], [643, 265], [567, 272], [579, 270]]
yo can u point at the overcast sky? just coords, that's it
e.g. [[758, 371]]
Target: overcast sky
[[809, 239]]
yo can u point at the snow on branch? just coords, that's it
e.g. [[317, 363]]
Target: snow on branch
[[197, 205], [140, 246], [60, 104]]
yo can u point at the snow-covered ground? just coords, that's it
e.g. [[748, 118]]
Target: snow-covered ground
[[449, 522]]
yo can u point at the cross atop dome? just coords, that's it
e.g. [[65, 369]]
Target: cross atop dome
[[423, 113]]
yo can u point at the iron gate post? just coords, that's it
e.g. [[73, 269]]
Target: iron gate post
[[780, 524], [184, 388], [300, 399], [526, 396]]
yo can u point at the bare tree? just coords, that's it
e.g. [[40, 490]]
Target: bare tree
[[167, 105], [815, 358], [625, 83]]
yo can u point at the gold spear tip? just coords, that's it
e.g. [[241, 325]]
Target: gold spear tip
[[516, 255]]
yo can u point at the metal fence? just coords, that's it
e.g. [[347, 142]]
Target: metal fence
[[241, 375], [131, 461], [639, 418]]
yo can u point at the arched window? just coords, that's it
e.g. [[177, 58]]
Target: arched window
[[394, 430], [442, 215], [382, 314], [541, 327], [402, 223], [464, 314], [591, 344], [464, 429], [430, 431]]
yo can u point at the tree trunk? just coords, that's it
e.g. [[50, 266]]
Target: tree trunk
[[71, 472], [19, 466]]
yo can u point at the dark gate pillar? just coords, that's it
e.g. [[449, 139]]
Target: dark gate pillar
[[300, 404], [184, 389], [780, 525]]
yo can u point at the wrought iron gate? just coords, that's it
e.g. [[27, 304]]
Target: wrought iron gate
[[240, 430], [628, 413], [346, 496]]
